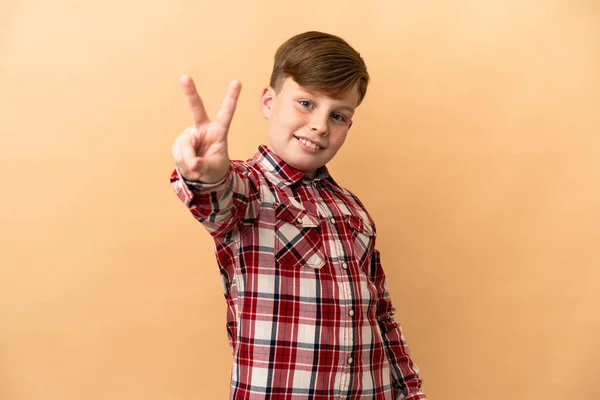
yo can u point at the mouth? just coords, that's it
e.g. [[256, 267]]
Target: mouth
[[310, 144]]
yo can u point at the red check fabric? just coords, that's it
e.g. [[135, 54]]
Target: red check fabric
[[309, 315]]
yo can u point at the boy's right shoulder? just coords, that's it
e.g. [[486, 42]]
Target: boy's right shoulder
[[252, 171], [263, 181], [249, 167]]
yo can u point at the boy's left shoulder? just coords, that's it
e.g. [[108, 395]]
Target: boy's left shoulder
[[358, 205]]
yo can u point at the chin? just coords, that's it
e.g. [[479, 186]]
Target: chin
[[305, 166]]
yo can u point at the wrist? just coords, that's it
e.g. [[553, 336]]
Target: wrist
[[206, 179]]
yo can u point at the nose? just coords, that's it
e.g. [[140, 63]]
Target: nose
[[318, 123]]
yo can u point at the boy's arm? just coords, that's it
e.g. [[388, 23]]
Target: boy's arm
[[224, 205], [405, 373], [216, 190]]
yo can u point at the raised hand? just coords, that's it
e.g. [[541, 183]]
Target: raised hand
[[200, 152]]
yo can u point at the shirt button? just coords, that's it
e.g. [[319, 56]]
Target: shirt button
[[332, 220], [344, 266], [350, 360], [299, 221], [351, 313], [315, 184]]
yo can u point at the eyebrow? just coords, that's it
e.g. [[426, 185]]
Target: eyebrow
[[348, 108]]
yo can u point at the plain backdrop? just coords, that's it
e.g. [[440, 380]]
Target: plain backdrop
[[475, 150]]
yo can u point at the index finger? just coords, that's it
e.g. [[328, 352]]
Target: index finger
[[194, 100]]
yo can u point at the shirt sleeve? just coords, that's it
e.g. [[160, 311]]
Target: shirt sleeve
[[405, 373], [224, 206]]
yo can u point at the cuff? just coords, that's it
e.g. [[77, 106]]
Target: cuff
[[188, 187]]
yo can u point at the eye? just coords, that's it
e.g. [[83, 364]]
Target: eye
[[338, 117], [305, 103]]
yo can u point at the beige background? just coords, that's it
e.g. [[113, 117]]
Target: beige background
[[476, 151]]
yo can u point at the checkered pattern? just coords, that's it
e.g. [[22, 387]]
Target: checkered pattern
[[309, 315]]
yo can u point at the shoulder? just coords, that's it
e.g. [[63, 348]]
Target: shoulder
[[249, 167], [254, 173], [358, 206]]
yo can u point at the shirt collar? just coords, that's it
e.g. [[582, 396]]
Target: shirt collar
[[282, 172]]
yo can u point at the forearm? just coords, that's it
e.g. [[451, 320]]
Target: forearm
[[405, 373], [220, 206]]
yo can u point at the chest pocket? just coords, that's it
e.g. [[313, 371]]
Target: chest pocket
[[298, 240], [363, 236]]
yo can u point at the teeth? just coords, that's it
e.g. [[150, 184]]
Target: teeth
[[309, 144]]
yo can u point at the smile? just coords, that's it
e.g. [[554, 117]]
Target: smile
[[308, 144]]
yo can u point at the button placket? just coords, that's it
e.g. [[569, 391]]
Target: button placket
[[344, 284]]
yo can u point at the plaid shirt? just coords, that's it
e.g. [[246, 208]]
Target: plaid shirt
[[308, 311]]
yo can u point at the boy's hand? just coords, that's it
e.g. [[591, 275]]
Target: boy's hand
[[200, 152]]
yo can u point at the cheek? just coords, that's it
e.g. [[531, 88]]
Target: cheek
[[280, 121], [338, 136], [295, 116]]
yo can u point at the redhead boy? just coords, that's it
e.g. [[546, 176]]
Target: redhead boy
[[309, 315]]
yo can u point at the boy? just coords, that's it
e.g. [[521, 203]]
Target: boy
[[309, 315]]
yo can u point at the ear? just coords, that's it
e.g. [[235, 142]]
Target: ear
[[266, 101]]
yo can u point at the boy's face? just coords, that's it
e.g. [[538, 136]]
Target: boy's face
[[306, 128]]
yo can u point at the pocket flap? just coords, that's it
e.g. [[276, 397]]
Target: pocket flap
[[296, 216], [358, 224]]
